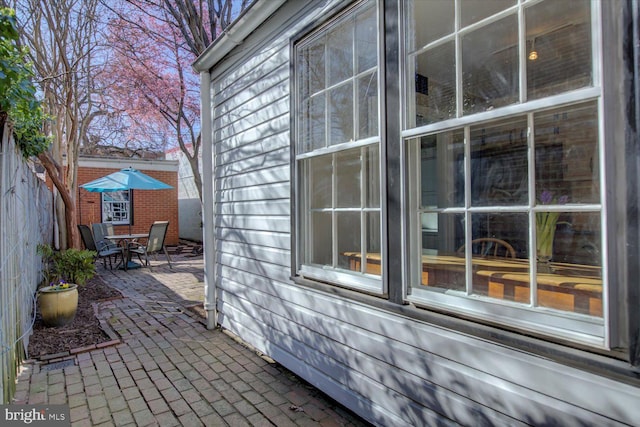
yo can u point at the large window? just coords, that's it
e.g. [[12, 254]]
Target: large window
[[499, 181], [338, 151], [116, 207], [503, 148]]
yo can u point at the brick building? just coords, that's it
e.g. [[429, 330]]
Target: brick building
[[137, 208]]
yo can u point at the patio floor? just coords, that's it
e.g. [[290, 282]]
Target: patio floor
[[167, 369]]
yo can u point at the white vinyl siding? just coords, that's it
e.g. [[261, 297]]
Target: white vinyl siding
[[391, 364]]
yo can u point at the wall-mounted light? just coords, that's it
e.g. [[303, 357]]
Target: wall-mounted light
[[533, 55]]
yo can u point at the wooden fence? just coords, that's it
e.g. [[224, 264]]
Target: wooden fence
[[26, 219]]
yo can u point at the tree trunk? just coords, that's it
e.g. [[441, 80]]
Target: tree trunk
[[72, 238]]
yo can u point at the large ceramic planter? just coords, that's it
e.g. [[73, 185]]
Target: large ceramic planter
[[58, 306]]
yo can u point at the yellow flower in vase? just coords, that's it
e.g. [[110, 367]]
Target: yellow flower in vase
[[546, 223]]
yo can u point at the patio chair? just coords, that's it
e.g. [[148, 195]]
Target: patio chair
[[100, 248], [155, 244], [101, 230], [490, 246]]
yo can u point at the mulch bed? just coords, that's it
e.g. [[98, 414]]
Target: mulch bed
[[83, 332]]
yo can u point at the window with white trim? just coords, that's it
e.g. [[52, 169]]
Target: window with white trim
[[337, 150], [116, 207], [504, 163]]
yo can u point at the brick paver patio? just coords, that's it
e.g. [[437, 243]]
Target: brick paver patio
[[168, 369]]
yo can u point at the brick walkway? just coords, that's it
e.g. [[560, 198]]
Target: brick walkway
[[169, 370]]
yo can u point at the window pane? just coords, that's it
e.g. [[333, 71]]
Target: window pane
[[435, 84], [368, 106], [340, 48], [311, 68], [373, 248], [442, 265], [341, 113], [348, 184], [500, 256], [499, 171], [442, 170], [559, 32], [349, 236], [473, 11], [366, 40], [320, 239], [372, 176], [572, 280], [566, 145], [429, 21], [319, 182], [313, 124], [490, 66], [512, 228]]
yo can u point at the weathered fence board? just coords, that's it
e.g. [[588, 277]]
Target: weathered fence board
[[25, 221]]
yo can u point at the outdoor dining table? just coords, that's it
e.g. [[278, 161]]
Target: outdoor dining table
[[123, 240]]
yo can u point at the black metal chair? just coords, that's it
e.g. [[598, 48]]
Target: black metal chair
[[101, 249], [155, 244], [100, 231]]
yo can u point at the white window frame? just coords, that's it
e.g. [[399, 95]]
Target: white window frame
[[592, 331], [325, 273], [108, 207]]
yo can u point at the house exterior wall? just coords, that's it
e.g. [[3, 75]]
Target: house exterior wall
[[392, 364], [148, 205], [189, 204]]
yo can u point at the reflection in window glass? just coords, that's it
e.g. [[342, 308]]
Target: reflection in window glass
[[340, 53], [428, 21], [341, 114], [435, 84], [499, 164], [366, 40], [348, 235], [348, 165], [335, 183], [504, 211], [312, 78], [566, 146], [473, 11], [442, 170], [337, 131], [313, 126], [116, 207], [443, 266], [371, 166], [490, 66], [321, 239], [558, 47], [368, 106], [500, 256], [319, 181]]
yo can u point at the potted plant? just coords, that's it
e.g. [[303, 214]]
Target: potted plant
[[63, 272]]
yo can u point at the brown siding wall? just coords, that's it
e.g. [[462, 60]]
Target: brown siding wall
[[148, 205]]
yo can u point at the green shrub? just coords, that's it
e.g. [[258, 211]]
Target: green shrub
[[18, 102], [71, 265]]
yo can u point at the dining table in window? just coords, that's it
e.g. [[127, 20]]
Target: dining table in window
[[569, 287]]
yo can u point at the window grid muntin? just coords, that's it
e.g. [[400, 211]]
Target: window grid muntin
[[356, 280], [348, 16], [120, 215], [582, 322]]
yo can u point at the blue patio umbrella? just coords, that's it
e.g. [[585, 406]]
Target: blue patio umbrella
[[125, 179]]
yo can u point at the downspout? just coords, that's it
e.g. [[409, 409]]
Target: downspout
[[207, 200]]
